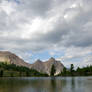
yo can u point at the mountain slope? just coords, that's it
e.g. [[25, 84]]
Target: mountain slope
[[10, 58]]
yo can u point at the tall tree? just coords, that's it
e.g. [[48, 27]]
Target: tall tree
[[72, 69], [64, 72], [53, 70], [1, 73]]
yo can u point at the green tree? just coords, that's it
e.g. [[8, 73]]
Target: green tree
[[27, 73], [1, 73], [64, 72], [72, 69], [53, 70], [11, 74], [78, 70]]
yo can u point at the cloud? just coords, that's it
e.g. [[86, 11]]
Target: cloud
[[47, 25]]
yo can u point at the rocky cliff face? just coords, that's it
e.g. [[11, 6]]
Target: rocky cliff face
[[44, 67]]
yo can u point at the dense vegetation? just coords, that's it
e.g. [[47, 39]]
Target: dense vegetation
[[85, 71], [11, 70]]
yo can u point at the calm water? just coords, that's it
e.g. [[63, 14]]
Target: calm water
[[60, 84]]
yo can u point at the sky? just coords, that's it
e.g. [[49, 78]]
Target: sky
[[40, 29]]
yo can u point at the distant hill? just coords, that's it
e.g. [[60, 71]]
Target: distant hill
[[43, 67]]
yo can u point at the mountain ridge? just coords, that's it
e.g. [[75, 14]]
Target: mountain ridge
[[44, 67]]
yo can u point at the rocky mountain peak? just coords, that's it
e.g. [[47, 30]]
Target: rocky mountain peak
[[38, 61], [5, 53], [45, 67], [52, 60]]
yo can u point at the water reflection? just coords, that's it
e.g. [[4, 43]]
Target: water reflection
[[45, 84], [72, 84], [53, 85]]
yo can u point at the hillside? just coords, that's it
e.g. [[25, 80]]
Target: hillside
[[10, 58]]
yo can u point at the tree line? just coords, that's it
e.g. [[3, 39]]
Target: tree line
[[84, 71], [12, 70]]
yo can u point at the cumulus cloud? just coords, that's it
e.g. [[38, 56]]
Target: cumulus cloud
[[40, 25]]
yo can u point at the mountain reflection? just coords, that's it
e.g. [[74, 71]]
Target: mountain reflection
[[31, 85], [67, 84]]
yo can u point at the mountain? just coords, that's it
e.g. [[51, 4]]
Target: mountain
[[43, 67], [10, 58], [38, 65]]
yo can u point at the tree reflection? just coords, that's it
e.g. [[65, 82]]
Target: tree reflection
[[73, 84], [32, 85], [53, 84]]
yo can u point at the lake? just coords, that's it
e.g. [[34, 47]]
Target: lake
[[43, 84]]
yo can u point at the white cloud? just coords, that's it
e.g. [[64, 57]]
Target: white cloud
[[38, 25]]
